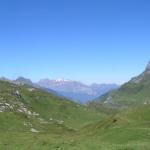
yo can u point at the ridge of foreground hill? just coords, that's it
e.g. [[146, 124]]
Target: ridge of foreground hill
[[35, 103], [134, 92]]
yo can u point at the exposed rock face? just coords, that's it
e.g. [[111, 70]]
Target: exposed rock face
[[143, 76], [147, 70]]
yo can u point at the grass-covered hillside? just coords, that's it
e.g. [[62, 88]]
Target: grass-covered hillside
[[134, 92], [31, 118], [128, 129], [35, 103]]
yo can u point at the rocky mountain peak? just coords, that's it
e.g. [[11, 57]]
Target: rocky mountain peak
[[147, 70], [22, 80], [143, 75]]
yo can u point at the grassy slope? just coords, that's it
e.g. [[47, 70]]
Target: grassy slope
[[131, 131], [131, 94], [48, 105], [135, 92], [58, 118], [127, 130]]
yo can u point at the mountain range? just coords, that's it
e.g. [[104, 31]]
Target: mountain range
[[33, 118], [73, 90], [77, 91]]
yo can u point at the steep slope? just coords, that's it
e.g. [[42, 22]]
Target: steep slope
[[134, 92], [33, 102]]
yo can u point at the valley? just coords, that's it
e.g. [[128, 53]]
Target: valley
[[32, 118], [73, 75]]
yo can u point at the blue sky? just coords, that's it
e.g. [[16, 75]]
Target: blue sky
[[102, 41]]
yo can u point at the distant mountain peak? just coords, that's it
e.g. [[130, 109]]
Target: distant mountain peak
[[22, 80], [4, 79], [62, 80], [142, 76], [76, 90]]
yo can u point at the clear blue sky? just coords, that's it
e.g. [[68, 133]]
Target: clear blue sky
[[87, 40]]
